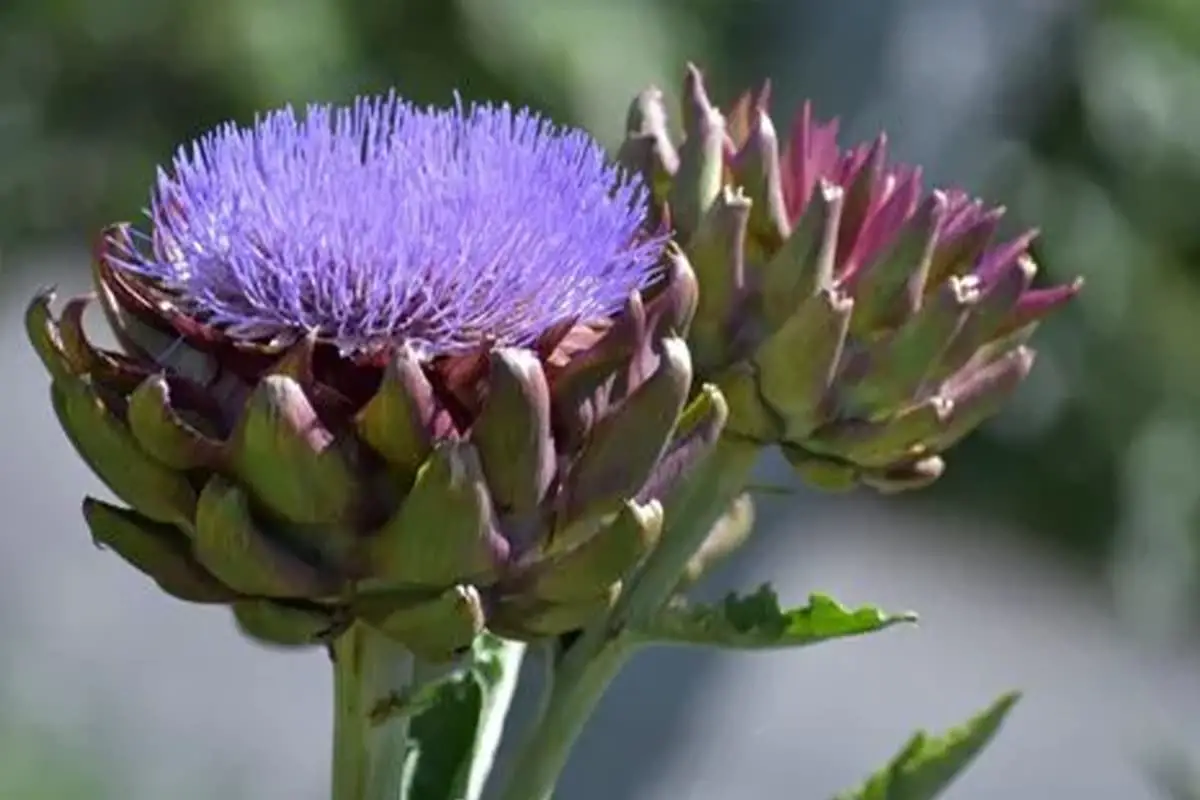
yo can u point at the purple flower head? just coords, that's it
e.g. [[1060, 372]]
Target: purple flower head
[[383, 224]]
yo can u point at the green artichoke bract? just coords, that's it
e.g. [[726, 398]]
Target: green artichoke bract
[[846, 315], [352, 389]]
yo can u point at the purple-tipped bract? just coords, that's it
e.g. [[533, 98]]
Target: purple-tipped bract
[[383, 223]]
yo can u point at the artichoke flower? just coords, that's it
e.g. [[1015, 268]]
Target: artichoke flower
[[859, 322], [388, 365]]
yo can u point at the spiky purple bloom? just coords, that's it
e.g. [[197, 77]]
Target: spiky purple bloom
[[382, 223]]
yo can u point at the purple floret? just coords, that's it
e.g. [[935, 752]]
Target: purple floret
[[384, 223]]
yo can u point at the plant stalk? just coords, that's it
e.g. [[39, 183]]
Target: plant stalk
[[577, 685], [492, 718], [373, 678], [590, 664]]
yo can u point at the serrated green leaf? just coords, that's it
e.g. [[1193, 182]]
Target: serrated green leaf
[[452, 738], [757, 622], [927, 765]]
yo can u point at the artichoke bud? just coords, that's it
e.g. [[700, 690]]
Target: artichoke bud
[[162, 552], [624, 446], [898, 365], [107, 446], [647, 148], [434, 627], [907, 477], [164, 433], [397, 421], [756, 169], [797, 364], [804, 265], [716, 252], [589, 568], [444, 531], [728, 534], [229, 543], [512, 433], [852, 300], [283, 624], [701, 173], [826, 474], [890, 288]]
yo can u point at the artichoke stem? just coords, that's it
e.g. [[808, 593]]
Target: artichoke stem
[[581, 676], [373, 677], [573, 689]]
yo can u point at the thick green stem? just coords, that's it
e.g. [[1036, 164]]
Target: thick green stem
[[578, 684], [492, 717], [598, 655], [373, 677]]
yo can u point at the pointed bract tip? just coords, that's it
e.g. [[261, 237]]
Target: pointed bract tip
[[964, 289], [1027, 266], [675, 307], [762, 126], [513, 361], [830, 191], [917, 475], [762, 101], [1036, 304], [734, 197], [696, 95]]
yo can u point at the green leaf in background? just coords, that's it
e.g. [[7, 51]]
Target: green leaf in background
[[453, 737], [757, 622], [1175, 776], [40, 763], [929, 764]]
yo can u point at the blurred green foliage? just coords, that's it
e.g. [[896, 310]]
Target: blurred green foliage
[[95, 93], [37, 764]]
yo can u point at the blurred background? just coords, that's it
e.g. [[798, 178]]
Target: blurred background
[[1059, 555]]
